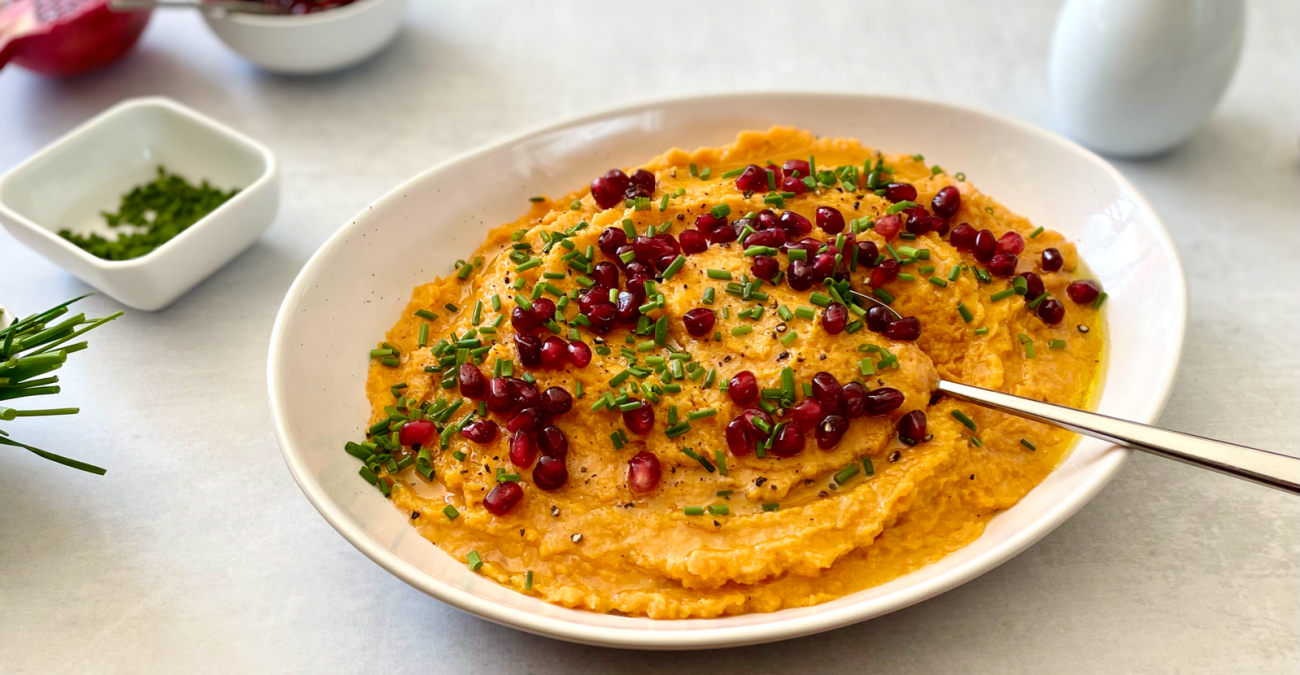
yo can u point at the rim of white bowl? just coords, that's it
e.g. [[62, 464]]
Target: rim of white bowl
[[1107, 466], [310, 19]]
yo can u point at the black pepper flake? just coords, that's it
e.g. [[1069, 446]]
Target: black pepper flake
[[856, 205], [893, 456], [807, 481], [681, 216], [782, 356], [760, 480], [555, 511], [576, 537], [780, 328], [823, 494], [415, 514], [1083, 328], [823, 357]]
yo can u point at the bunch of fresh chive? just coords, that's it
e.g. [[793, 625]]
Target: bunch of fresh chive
[[30, 350]]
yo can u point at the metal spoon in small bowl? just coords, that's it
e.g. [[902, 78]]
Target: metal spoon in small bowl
[[216, 8], [1260, 466]]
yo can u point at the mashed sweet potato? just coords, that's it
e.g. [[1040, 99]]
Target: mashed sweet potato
[[723, 533]]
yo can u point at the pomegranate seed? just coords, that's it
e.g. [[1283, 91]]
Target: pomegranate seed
[[529, 350], [643, 472], [767, 220], [774, 238], [641, 420], [556, 401], [1003, 265], [823, 266], [946, 202], [830, 431], [707, 223], [906, 329], [853, 400], [552, 442], [985, 246], [529, 420], [1052, 260], [799, 165], [794, 224], [693, 242], [481, 432], [602, 318], [885, 273], [543, 310], [605, 274], [1082, 291], [765, 267], [1011, 242], [521, 320], [752, 179], [472, 383], [1033, 284], [555, 352], [739, 441], [699, 321], [610, 239], [911, 427], [924, 224], [523, 393], [649, 249], [725, 235], [963, 237], [939, 225], [889, 225], [503, 497], [629, 305], [795, 185], [550, 474], [638, 273], [523, 449], [827, 390], [914, 212], [867, 254], [882, 400], [807, 413], [590, 298], [799, 275], [788, 441], [751, 414], [640, 184], [419, 432], [743, 388], [608, 190], [777, 173], [579, 353], [878, 318], [1051, 311], [900, 192], [834, 318]]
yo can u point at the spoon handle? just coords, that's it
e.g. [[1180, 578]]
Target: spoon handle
[[1260, 466]]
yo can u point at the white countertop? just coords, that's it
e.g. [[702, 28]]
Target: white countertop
[[197, 553]]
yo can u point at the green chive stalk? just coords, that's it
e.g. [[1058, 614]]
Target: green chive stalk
[[30, 350]]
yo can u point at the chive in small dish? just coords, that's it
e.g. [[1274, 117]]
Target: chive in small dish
[[144, 201]]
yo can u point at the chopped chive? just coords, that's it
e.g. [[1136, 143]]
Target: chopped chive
[[938, 282], [733, 173], [424, 335], [771, 506], [741, 330], [797, 254], [866, 367], [966, 421], [1025, 442], [719, 509], [975, 441], [693, 510], [982, 330], [1035, 233], [789, 338], [1033, 304], [884, 295], [677, 429], [1056, 344], [1096, 304], [761, 250], [906, 276], [965, 313], [805, 313], [674, 267], [720, 211], [576, 205], [695, 171], [528, 580], [701, 414], [846, 473], [426, 315], [820, 299], [451, 512], [720, 459], [954, 273], [475, 562], [1002, 294], [718, 274]]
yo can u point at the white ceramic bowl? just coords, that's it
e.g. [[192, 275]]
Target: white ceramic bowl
[[312, 43], [67, 184], [354, 288]]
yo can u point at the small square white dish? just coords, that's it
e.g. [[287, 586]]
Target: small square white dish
[[67, 185]]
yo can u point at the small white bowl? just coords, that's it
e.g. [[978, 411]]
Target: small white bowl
[[312, 43], [68, 184], [359, 281]]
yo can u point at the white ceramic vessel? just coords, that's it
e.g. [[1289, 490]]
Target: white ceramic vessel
[[312, 43], [357, 284], [1133, 78], [68, 184]]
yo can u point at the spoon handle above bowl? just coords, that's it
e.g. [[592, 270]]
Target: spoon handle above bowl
[[1260, 466]]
